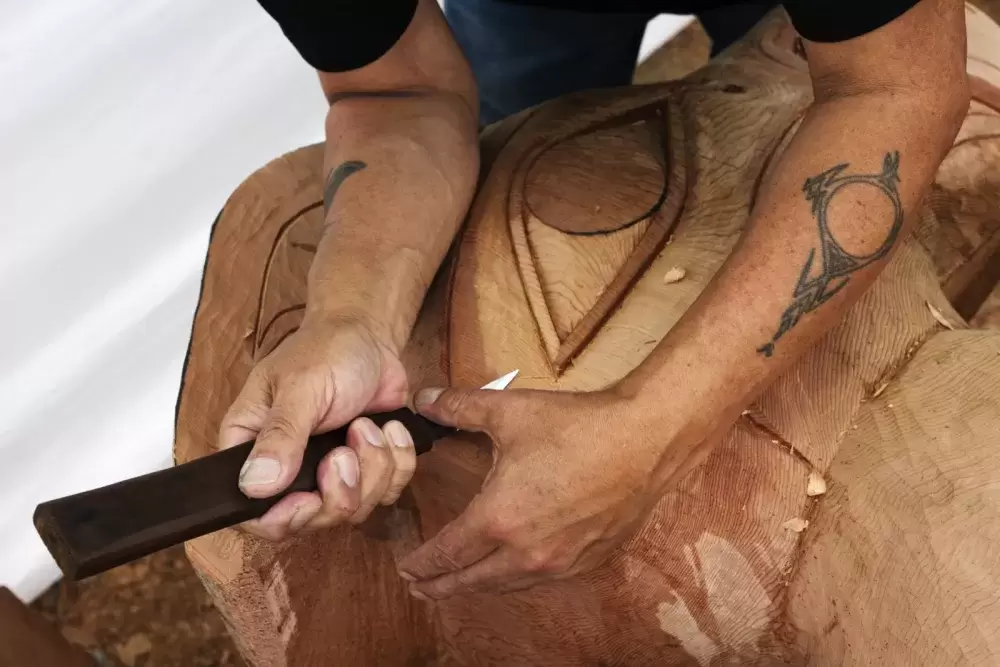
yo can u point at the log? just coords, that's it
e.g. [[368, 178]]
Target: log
[[844, 520]]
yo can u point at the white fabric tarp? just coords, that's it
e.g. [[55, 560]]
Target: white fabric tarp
[[124, 126]]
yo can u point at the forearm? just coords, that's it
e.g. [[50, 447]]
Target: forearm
[[819, 235], [401, 173]]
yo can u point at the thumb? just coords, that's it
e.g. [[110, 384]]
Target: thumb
[[466, 409], [247, 414], [277, 455]]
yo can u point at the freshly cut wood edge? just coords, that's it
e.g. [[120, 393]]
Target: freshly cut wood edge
[[28, 640]]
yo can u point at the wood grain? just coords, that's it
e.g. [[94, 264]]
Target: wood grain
[[901, 563], [722, 572]]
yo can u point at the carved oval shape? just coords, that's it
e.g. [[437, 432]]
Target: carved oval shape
[[572, 194]]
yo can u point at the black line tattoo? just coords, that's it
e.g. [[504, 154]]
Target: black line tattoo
[[837, 264], [336, 178], [339, 174]]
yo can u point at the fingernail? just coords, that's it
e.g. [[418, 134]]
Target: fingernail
[[419, 595], [371, 433], [398, 435], [426, 397], [259, 470], [406, 576], [347, 466]]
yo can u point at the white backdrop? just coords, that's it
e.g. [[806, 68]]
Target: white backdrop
[[124, 126]]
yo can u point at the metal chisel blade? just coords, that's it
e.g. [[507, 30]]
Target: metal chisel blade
[[501, 382]]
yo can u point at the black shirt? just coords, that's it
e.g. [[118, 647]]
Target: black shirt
[[341, 35]]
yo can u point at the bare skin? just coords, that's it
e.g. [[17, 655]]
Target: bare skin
[[401, 144], [888, 106]]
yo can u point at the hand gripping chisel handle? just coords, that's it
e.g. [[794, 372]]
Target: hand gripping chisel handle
[[90, 532]]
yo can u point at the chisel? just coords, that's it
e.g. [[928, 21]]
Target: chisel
[[90, 532]]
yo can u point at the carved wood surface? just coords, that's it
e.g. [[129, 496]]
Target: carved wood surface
[[560, 272]]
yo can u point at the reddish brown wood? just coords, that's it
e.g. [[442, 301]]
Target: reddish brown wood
[[28, 640]]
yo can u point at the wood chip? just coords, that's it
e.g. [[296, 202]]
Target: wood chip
[[137, 645], [674, 275], [937, 315], [79, 636], [796, 525], [878, 392], [816, 485]]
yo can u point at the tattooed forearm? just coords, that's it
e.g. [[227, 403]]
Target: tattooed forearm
[[340, 173], [336, 178], [823, 277]]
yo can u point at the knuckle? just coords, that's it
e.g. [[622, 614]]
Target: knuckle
[[346, 505], [456, 401], [393, 493], [278, 425], [502, 527], [537, 560], [444, 558], [404, 466], [361, 515]]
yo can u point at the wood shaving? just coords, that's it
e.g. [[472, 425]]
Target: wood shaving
[[796, 525], [137, 645], [878, 392], [816, 485], [939, 316], [674, 275]]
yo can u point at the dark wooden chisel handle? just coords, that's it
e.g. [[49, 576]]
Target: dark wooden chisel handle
[[97, 530]]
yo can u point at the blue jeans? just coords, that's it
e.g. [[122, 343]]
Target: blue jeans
[[523, 55]]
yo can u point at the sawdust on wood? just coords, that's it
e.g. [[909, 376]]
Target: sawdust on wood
[[816, 486], [796, 525], [674, 275]]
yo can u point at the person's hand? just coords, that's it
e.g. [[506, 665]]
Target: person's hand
[[318, 379], [573, 476]]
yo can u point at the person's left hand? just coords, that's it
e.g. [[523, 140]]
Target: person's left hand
[[573, 476]]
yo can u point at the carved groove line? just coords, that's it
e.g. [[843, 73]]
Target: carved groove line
[[267, 266]]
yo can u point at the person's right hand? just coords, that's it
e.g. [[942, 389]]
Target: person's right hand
[[318, 379]]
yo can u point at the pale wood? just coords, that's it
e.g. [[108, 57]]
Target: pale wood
[[902, 561], [725, 570]]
